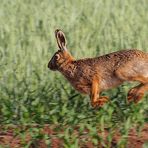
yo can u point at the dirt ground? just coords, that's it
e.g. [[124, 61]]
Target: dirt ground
[[10, 138]]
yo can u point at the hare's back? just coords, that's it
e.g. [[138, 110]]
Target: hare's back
[[120, 58], [134, 63], [126, 55], [113, 61], [133, 57]]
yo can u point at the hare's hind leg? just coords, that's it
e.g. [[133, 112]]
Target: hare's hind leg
[[137, 92], [94, 95]]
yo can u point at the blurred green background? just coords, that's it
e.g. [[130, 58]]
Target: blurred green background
[[31, 93]]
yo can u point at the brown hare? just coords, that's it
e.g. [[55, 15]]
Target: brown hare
[[94, 75]]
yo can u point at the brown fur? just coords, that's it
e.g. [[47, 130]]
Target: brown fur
[[94, 75]]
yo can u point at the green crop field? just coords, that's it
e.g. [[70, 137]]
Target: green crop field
[[31, 94]]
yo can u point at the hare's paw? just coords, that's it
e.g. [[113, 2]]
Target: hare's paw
[[138, 97], [131, 94], [135, 95], [101, 101]]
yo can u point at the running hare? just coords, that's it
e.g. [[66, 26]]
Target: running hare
[[94, 75]]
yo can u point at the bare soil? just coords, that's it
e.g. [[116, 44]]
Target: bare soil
[[9, 137]]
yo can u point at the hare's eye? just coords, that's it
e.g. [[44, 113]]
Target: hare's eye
[[57, 56]]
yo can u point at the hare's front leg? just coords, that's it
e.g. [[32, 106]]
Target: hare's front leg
[[97, 100]]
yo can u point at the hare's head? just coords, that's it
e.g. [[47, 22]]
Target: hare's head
[[62, 55]]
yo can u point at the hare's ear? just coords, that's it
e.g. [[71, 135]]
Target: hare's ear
[[61, 40]]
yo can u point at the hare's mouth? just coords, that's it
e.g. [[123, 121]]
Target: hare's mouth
[[53, 69]]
